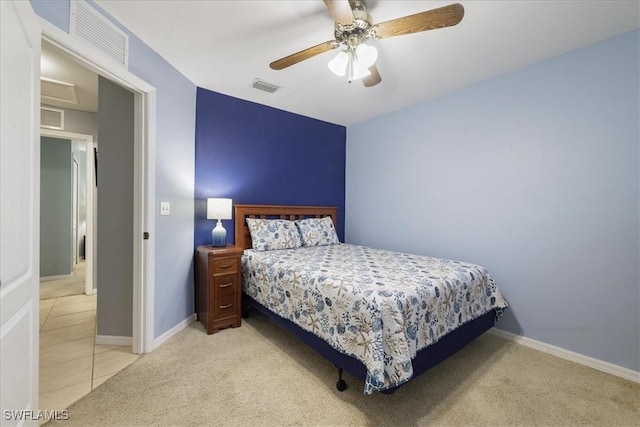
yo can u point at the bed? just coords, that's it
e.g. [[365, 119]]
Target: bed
[[383, 316]]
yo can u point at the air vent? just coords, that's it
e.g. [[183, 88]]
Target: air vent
[[51, 118], [54, 90], [88, 24], [262, 85]]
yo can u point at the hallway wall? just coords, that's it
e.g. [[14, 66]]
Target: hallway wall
[[55, 207]]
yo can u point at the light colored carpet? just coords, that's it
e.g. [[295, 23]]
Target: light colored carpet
[[65, 287], [259, 375]]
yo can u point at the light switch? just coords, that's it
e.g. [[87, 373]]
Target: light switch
[[165, 208]]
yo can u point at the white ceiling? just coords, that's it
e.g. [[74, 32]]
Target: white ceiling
[[224, 45]]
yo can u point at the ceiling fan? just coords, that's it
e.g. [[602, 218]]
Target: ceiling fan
[[353, 27]]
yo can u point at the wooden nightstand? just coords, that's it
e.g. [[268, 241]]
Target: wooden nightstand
[[218, 286]]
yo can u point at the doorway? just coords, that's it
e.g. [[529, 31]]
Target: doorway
[[73, 358], [20, 89], [84, 246], [140, 339], [142, 336]]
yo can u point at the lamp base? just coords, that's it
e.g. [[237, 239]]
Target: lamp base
[[219, 235]]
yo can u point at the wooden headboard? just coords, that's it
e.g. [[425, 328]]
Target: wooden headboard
[[242, 212]]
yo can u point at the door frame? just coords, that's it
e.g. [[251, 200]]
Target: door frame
[[143, 170], [75, 186], [90, 243]]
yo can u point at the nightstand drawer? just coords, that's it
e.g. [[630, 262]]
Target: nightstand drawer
[[226, 306], [225, 285], [225, 266]]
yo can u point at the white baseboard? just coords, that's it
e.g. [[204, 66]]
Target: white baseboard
[[600, 365], [62, 276], [171, 332], [113, 340]]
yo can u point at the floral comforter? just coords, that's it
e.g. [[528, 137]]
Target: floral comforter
[[378, 306]]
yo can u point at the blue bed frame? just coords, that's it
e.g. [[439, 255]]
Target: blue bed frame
[[425, 359]]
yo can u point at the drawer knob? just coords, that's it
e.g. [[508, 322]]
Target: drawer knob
[[225, 265], [226, 285], [225, 306]]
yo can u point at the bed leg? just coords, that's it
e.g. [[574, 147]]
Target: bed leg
[[244, 310], [341, 385]]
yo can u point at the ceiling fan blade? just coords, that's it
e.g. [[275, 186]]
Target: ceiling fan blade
[[430, 20], [302, 55], [373, 78], [341, 11]]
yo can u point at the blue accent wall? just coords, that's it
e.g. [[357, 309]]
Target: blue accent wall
[[256, 154]]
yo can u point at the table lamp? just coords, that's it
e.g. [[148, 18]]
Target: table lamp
[[219, 209]]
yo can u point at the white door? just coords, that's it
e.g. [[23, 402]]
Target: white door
[[19, 211]]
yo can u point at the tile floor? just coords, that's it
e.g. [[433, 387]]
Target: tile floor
[[73, 285], [71, 364]]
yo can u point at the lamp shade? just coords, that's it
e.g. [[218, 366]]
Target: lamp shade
[[360, 70], [338, 65], [367, 55], [219, 208]]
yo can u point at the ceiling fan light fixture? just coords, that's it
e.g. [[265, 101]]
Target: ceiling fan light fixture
[[354, 62], [366, 54], [359, 70], [338, 65]]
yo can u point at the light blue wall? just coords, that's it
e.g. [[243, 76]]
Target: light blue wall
[[535, 175], [175, 136]]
